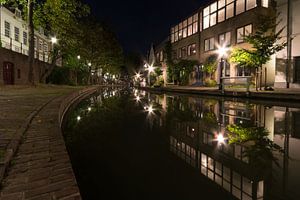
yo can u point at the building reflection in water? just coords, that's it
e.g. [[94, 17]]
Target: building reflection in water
[[193, 125]]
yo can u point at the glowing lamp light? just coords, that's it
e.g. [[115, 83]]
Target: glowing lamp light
[[150, 69], [150, 109], [221, 139], [78, 118], [89, 108], [138, 98], [78, 57], [89, 64], [222, 51], [53, 40]]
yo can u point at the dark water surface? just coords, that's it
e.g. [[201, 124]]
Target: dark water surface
[[129, 144]]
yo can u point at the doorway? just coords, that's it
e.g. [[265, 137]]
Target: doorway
[[8, 73]]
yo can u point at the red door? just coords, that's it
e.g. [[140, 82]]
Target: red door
[[8, 73]]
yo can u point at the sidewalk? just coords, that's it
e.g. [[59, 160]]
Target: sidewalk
[[292, 94], [41, 168]]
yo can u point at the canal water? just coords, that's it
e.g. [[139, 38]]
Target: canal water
[[131, 144]]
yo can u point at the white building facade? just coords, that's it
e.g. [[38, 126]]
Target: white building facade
[[15, 36]]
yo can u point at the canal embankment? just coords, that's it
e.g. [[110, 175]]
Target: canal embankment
[[34, 160], [289, 95]]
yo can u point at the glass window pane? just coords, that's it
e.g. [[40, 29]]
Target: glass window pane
[[236, 180], [210, 175], [213, 7], [226, 173], [204, 170], [195, 17], [228, 38], [265, 3], [248, 29], [172, 30], [240, 35], [213, 19], [195, 27], [205, 22], [229, 1], [210, 163], [221, 15], [212, 44], [229, 11], [206, 48], [185, 23], [180, 26], [221, 39], [226, 185], [206, 11], [190, 21], [247, 186], [218, 169], [218, 180], [250, 4], [240, 6], [260, 189], [176, 28], [184, 33], [236, 192], [221, 4], [190, 30]]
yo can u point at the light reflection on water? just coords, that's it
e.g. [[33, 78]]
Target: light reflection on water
[[195, 131]]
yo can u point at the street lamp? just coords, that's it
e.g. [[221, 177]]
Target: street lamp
[[150, 69], [53, 40], [222, 52], [78, 57]]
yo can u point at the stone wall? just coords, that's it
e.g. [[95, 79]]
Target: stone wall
[[20, 66]]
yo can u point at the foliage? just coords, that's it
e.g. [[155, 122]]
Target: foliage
[[159, 82], [210, 119], [183, 69], [210, 83], [210, 65], [60, 76], [169, 62], [265, 42], [258, 147]]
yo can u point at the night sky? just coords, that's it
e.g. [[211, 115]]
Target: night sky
[[138, 23]]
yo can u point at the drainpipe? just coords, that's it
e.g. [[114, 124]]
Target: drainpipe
[[289, 42]]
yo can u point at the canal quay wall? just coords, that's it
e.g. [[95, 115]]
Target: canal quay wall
[[36, 164], [284, 95]]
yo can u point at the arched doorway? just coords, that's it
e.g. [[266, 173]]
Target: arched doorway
[[8, 73]]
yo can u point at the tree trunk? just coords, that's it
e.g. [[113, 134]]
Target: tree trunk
[[31, 43]]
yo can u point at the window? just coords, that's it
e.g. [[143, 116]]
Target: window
[[240, 6], [35, 42], [250, 4], [209, 44], [206, 17], [192, 49], [213, 19], [7, 29], [17, 34], [25, 38], [179, 53], [225, 39], [221, 15], [229, 10], [265, 3], [242, 32], [184, 29]]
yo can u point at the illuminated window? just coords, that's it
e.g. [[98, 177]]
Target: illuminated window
[[213, 19], [229, 10], [209, 44], [240, 6], [192, 50], [221, 4], [265, 3], [242, 32], [221, 15], [225, 39], [250, 4]]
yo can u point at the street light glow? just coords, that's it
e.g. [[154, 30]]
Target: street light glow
[[150, 69], [220, 138], [89, 64], [53, 40], [78, 57], [78, 118]]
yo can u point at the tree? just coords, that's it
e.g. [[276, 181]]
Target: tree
[[210, 65], [169, 62], [265, 42], [61, 18], [183, 70]]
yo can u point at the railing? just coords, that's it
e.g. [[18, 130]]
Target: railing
[[10, 44], [246, 80]]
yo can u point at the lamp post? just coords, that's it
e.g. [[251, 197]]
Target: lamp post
[[222, 51]]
